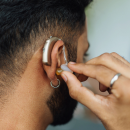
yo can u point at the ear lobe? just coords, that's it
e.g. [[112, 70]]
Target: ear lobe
[[55, 61]]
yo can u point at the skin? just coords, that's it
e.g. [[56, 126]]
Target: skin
[[112, 110], [26, 107]]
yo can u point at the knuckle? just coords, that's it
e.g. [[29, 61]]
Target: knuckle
[[105, 56], [114, 53]]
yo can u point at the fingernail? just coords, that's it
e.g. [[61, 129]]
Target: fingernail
[[72, 63], [64, 77]]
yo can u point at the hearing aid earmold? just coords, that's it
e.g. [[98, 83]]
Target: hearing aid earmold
[[49, 44]]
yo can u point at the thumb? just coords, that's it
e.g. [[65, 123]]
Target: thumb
[[82, 94]]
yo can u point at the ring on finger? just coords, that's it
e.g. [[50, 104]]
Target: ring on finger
[[115, 78]]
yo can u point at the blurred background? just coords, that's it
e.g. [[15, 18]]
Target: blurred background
[[108, 25]]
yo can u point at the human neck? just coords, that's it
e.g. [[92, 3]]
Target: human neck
[[13, 120], [26, 108], [23, 112]]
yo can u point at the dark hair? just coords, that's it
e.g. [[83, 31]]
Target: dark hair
[[22, 21], [86, 2]]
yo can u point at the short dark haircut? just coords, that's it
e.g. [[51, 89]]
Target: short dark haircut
[[22, 21]]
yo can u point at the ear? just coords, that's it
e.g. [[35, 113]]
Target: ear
[[57, 59]]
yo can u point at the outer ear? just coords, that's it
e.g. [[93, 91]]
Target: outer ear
[[55, 62]]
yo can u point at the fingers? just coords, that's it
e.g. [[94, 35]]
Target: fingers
[[102, 88], [100, 73], [104, 76], [82, 78], [120, 58], [112, 63], [82, 94]]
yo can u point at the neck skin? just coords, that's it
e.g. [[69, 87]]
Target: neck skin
[[26, 108]]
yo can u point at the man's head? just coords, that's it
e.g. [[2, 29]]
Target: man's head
[[25, 26]]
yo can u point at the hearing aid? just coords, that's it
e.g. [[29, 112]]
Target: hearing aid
[[49, 44]]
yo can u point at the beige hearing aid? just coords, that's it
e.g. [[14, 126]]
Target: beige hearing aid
[[49, 44]]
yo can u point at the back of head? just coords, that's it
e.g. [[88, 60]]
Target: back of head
[[24, 22]]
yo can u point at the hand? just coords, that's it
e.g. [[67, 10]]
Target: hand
[[112, 110]]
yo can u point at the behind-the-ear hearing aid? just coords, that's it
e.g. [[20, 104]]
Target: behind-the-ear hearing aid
[[49, 44]]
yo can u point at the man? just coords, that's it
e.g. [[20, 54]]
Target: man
[[27, 99]]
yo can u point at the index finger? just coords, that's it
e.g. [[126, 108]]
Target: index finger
[[103, 75], [112, 62], [98, 72]]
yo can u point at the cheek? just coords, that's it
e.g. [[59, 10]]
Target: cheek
[[80, 54], [82, 47]]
